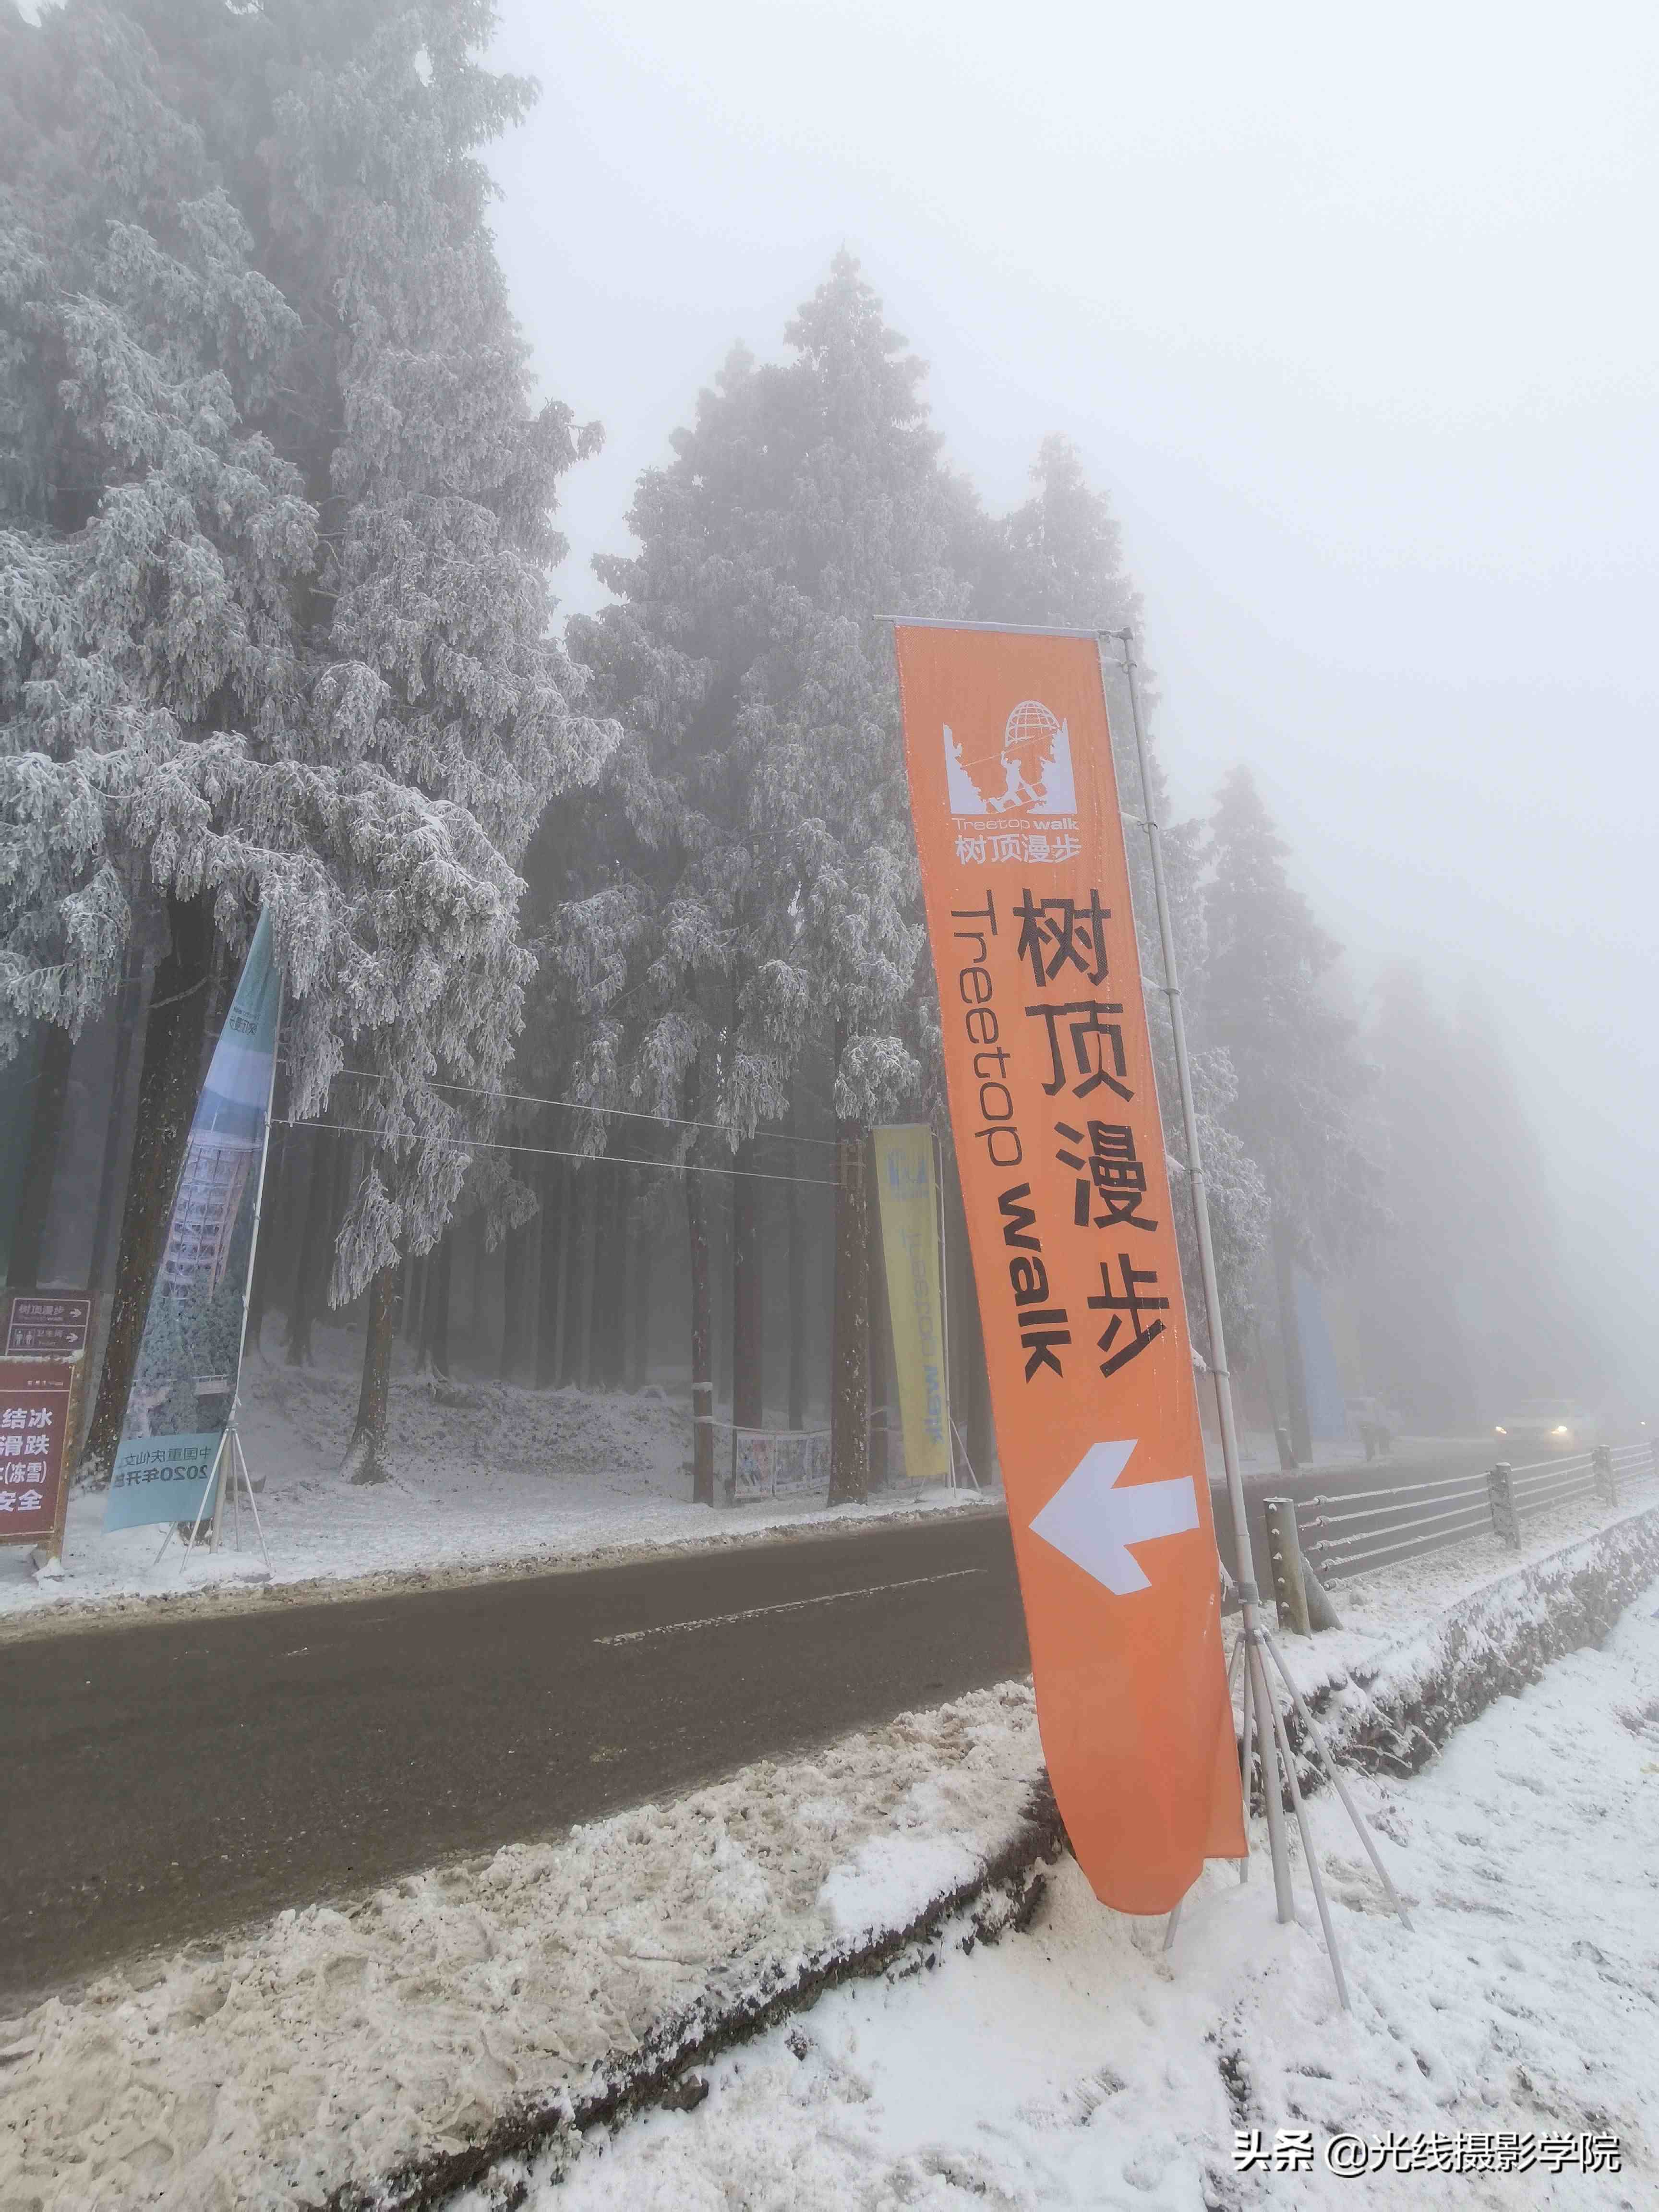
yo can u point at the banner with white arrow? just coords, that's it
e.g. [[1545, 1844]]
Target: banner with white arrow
[[1060, 1148], [1094, 1523]]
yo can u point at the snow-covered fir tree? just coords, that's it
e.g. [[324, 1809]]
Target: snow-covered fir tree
[[1302, 1106], [758, 894], [1057, 560], [287, 644]]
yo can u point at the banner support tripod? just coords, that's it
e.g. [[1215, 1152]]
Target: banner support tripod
[[1264, 1727], [229, 1469]]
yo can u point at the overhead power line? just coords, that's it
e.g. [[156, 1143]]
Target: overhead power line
[[549, 1152], [582, 1106]]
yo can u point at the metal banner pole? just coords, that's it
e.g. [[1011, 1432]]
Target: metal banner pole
[[1249, 1597], [247, 1287], [945, 1305], [1262, 1718], [253, 1503]]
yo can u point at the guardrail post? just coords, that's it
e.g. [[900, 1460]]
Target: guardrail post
[[1500, 1496], [1285, 1550], [1607, 1481]]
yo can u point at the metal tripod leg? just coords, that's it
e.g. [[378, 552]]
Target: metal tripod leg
[[212, 1491], [1246, 1758], [253, 1503], [1327, 1760], [1318, 1880], [1272, 1787]]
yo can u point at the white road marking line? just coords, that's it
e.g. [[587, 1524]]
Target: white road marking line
[[794, 1604]]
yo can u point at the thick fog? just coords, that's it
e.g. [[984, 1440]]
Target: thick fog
[[1357, 325]]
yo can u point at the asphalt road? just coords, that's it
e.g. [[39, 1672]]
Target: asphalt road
[[169, 1780]]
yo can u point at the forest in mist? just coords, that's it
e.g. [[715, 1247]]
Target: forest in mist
[[601, 937]]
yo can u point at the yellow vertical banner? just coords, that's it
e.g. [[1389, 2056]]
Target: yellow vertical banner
[[908, 1196]]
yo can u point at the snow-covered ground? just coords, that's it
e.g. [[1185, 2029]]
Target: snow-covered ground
[[1077, 2065], [516, 1476], [1071, 2065], [336, 2044]]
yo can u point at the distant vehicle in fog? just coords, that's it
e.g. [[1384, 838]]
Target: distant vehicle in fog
[[1547, 1424]]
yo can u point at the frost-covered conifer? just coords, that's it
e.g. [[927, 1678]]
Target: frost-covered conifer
[[762, 887], [1058, 559], [438, 666], [1300, 1108], [286, 645]]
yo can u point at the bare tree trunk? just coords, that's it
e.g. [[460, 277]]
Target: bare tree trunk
[[1290, 1338], [45, 1129], [348, 1156], [310, 1261], [410, 1320], [797, 1243], [639, 1369], [474, 1310], [748, 1326], [593, 1277], [702, 1346], [365, 1459], [126, 1028], [610, 1276], [849, 1404], [435, 1320], [167, 1104], [576, 1315], [514, 1279], [551, 1261]]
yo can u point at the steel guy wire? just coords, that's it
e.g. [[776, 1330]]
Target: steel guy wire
[[551, 1153], [582, 1106]]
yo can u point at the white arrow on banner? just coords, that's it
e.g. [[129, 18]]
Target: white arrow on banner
[[1094, 1523]]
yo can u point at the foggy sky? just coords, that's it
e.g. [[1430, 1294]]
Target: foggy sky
[[1355, 322]]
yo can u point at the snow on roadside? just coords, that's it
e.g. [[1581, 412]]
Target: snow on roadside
[[519, 1477], [336, 2044], [1078, 2066]]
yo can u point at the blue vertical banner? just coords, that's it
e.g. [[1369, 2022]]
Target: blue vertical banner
[[190, 1358]]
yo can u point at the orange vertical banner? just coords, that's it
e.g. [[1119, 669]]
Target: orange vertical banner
[[1055, 1110]]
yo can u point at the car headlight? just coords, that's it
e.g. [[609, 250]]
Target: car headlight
[[1563, 1431], [1500, 1432]]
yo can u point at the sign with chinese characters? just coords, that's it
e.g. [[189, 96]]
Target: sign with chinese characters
[[47, 1320], [1054, 1106], [184, 1387], [906, 1199], [40, 1405]]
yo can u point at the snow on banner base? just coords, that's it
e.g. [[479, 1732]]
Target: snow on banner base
[[1054, 1110], [184, 1387]]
